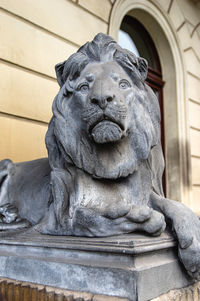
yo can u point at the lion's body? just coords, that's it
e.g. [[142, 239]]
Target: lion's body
[[108, 197]]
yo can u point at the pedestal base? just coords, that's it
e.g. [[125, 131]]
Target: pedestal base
[[137, 267]]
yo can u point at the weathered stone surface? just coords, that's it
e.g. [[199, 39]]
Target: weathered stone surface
[[103, 174], [136, 267]]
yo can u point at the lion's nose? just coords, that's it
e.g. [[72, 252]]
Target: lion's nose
[[102, 101]]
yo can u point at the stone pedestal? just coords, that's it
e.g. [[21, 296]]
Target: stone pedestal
[[137, 267]]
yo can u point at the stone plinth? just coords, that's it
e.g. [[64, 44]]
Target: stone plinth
[[137, 267]]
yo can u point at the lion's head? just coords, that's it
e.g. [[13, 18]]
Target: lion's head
[[105, 118]]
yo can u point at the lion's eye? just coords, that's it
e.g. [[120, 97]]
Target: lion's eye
[[124, 84], [83, 88]]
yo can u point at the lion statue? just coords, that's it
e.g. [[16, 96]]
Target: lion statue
[[103, 175]]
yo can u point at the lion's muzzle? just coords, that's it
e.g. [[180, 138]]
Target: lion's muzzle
[[106, 131], [105, 126]]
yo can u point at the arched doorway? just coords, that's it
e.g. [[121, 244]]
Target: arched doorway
[[134, 37], [155, 21]]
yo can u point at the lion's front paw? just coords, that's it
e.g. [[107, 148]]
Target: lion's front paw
[[186, 226], [187, 230], [9, 218], [190, 257], [156, 224], [9, 213], [139, 214], [148, 220]]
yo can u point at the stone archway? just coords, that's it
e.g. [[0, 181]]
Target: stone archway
[[157, 22]]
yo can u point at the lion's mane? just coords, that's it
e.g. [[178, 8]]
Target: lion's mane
[[68, 143]]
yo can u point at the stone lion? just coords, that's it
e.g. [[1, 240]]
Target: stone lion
[[103, 175]]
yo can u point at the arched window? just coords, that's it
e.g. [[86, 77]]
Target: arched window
[[134, 37]]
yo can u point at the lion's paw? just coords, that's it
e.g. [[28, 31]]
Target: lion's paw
[[190, 257], [10, 220], [9, 213], [187, 230], [139, 214], [156, 224], [186, 226], [148, 220]]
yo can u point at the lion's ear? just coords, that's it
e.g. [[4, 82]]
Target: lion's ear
[[143, 67], [59, 73]]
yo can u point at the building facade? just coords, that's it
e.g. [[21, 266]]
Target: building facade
[[36, 35]]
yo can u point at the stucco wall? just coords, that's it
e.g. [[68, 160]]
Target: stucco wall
[[35, 35], [185, 17]]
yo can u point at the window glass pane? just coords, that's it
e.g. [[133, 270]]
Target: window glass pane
[[142, 44], [125, 41]]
